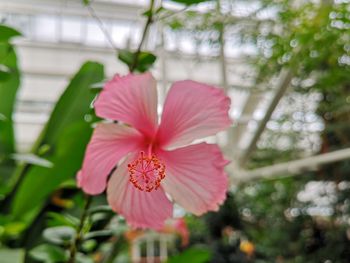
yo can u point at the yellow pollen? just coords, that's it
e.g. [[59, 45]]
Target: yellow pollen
[[146, 172]]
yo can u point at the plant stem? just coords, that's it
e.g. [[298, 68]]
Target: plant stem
[[78, 237], [145, 30], [101, 26]]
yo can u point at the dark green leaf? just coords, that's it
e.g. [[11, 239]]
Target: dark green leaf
[[9, 83], [193, 255], [126, 56], [144, 61], [66, 134], [6, 33], [147, 13], [95, 218], [39, 182], [101, 209], [99, 234], [43, 149], [58, 219], [48, 253]]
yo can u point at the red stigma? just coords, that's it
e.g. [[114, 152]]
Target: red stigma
[[146, 172]]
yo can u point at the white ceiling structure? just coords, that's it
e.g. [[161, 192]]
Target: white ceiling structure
[[59, 35]]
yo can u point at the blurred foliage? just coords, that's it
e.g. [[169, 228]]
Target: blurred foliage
[[49, 253], [11, 255], [194, 255], [312, 39]]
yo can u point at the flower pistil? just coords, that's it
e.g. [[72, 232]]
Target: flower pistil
[[146, 172]]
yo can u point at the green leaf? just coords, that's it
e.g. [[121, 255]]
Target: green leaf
[[13, 228], [190, 2], [193, 255], [101, 209], [58, 219], [2, 117], [89, 245], [9, 84], [39, 182], [6, 33], [48, 253], [95, 218], [99, 234], [147, 13], [5, 73], [11, 255], [144, 62], [81, 258], [66, 134], [59, 235], [126, 56]]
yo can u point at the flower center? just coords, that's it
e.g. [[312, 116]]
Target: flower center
[[146, 172]]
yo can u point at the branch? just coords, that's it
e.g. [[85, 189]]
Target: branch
[[78, 237], [101, 26], [145, 30]]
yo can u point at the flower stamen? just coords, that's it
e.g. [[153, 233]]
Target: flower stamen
[[146, 172]]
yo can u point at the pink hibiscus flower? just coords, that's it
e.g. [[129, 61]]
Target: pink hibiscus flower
[[152, 159]]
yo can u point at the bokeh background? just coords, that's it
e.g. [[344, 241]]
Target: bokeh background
[[286, 67]]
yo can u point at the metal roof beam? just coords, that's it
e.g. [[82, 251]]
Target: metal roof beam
[[284, 81], [292, 167]]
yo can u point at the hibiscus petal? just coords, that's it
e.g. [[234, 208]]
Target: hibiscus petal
[[140, 209], [109, 143], [192, 111], [195, 177], [131, 99]]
